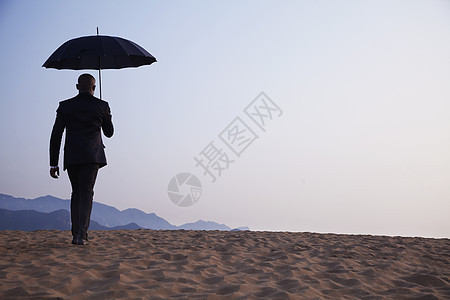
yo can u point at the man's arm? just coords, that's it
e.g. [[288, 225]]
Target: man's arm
[[55, 144], [107, 125]]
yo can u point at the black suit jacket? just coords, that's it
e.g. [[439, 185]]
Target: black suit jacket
[[83, 117]]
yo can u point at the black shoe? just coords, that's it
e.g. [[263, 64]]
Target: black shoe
[[78, 240]]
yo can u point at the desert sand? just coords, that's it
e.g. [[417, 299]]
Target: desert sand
[[153, 264]]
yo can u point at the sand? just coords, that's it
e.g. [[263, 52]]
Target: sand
[[152, 264]]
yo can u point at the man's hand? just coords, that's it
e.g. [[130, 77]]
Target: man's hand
[[54, 172]]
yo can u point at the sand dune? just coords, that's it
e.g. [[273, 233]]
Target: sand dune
[[153, 264]]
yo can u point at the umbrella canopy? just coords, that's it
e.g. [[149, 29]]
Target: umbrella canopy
[[98, 52]]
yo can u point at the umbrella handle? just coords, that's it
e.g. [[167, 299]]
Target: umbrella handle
[[100, 78], [99, 74]]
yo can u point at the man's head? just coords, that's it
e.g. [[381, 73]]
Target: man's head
[[86, 84]]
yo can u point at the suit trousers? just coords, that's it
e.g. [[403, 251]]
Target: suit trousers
[[82, 178]]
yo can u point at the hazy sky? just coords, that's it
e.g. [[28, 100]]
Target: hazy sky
[[362, 144]]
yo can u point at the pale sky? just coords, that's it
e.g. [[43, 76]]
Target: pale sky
[[362, 145]]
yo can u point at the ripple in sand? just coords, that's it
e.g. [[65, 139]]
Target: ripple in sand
[[425, 280], [213, 280], [228, 289]]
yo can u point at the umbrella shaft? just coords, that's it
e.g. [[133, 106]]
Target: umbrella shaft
[[100, 81]]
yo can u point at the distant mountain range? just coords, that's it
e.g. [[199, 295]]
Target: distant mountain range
[[29, 220], [49, 212]]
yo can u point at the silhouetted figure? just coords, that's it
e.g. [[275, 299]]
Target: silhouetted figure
[[83, 117]]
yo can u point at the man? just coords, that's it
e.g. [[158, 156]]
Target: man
[[83, 117]]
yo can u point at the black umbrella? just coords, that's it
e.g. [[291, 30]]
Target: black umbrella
[[98, 52]]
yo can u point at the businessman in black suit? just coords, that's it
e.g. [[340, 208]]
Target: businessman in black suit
[[83, 117]]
